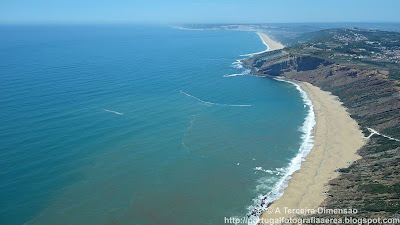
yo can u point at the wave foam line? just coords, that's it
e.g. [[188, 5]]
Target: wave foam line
[[238, 64], [276, 172], [246, 72], [261, 203], [251, 54], [212, 103], [187, 131], [115, 112], [234, 75]]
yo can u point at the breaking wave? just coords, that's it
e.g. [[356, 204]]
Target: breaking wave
[[261, 202], [246, 72], [115, 112], [212, 103]]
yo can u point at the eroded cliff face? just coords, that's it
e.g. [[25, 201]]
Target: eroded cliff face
[[370, 96], [277, 63], [371, 184]]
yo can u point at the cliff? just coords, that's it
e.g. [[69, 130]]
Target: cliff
[[371, 94]]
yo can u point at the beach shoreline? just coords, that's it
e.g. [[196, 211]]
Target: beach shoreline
[[337, 139], [270, 43]]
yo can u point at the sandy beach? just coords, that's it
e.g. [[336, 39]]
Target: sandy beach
[[337, 138], [272, 45]]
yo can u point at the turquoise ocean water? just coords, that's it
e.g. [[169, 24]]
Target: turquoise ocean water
[[139, 125]]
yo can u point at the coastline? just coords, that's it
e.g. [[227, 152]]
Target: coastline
[[267, 41], [337, 138], [329, 144], [271, 44]]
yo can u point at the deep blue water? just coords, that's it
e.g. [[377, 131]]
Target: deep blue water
[[137, 125]]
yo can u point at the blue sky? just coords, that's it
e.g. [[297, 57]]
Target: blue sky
[[197, 11]]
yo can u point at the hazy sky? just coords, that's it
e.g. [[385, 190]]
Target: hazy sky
[[198, 11]]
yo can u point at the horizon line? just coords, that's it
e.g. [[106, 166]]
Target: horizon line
[[186, 23]]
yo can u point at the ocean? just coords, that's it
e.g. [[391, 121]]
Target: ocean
[[130, 124]]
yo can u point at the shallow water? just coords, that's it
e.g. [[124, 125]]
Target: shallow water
[[138, 125]]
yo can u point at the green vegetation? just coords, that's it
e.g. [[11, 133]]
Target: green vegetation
[[380, 188], [362, 68], [356, 48]]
